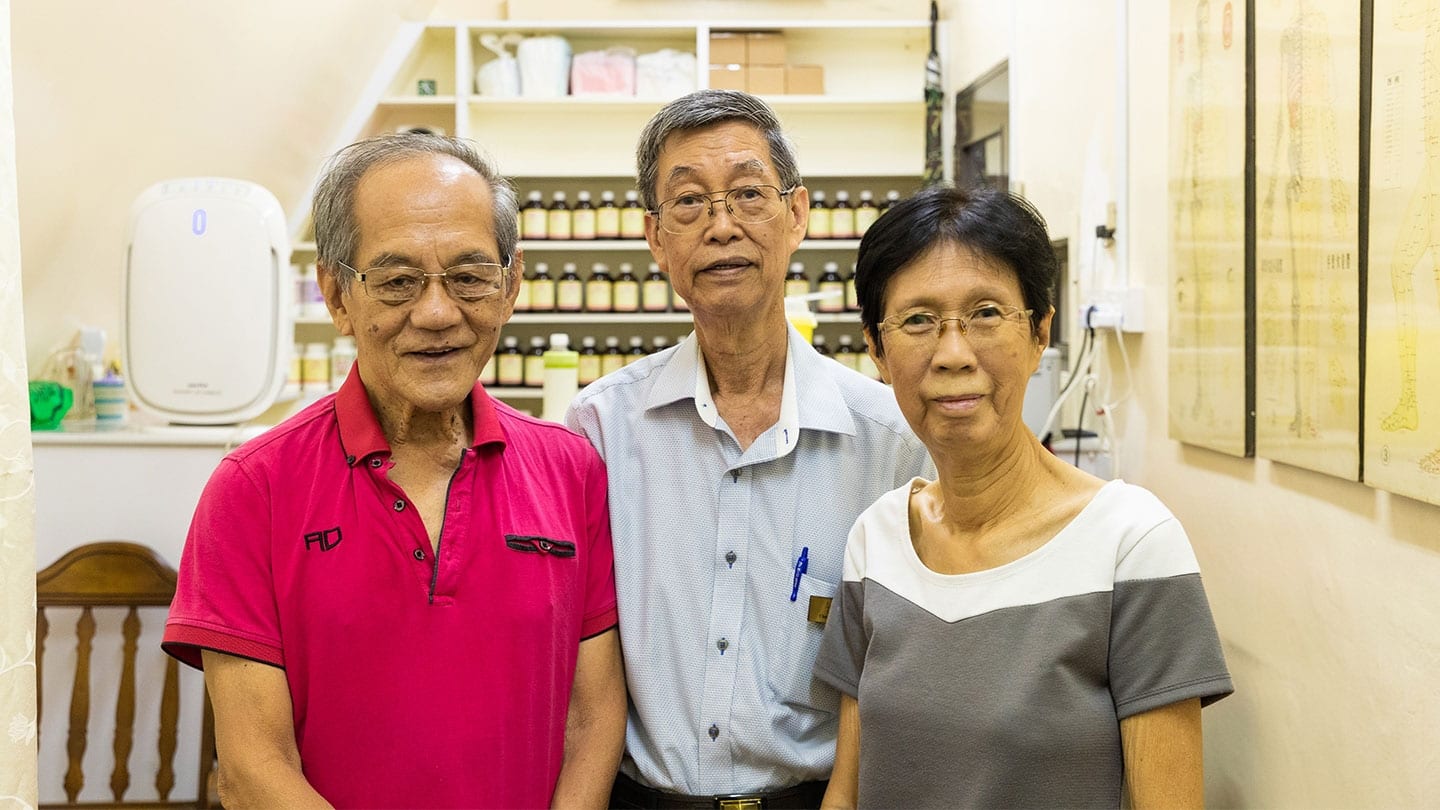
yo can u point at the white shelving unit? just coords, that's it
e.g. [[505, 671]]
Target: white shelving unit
[[874, 74]]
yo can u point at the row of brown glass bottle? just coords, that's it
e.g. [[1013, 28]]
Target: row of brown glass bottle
[[585, 220], [511, 366], [601, 292]]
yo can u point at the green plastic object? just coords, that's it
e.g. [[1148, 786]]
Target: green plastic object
[[49, 402]]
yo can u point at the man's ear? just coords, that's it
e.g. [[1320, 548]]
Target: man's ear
[[800, 211], [872, 346], [652, 238], [335, 298]]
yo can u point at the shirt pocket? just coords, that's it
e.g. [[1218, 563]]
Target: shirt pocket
[[792, 674]]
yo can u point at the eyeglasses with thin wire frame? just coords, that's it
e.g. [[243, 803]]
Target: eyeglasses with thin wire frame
[[399, 284], [749, 205], [978, 325]]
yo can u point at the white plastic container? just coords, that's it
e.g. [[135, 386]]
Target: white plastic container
[[562, 378]]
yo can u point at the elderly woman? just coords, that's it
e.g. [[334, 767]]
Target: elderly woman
[[1016, 633]]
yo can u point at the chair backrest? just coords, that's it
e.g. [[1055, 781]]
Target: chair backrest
[[122, 576]]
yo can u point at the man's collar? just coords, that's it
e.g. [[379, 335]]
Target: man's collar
[[810, 392], [362, 436]]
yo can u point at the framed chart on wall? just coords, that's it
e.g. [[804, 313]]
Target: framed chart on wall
[[1307, 279], [1208, 369], [1402, 377]]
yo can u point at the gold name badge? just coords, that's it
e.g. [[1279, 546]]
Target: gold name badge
[[819, 609]]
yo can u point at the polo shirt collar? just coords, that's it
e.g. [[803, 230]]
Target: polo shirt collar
[[360, 431], [810, 398]]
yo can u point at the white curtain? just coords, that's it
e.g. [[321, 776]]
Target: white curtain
[[17, 483]]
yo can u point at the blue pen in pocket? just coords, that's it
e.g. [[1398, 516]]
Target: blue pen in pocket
[[801, 566]]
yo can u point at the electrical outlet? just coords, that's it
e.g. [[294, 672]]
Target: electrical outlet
[[1122, 310]]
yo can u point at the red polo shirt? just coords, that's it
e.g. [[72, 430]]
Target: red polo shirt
[[418, 679]]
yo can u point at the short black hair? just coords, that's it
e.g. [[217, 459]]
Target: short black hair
[[998, 225]]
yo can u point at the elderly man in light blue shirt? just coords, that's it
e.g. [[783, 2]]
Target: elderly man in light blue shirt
[[738, 461]]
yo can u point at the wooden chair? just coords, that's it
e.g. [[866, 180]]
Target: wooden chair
[[118, 575]]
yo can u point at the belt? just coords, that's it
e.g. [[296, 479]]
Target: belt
[[631, 794]]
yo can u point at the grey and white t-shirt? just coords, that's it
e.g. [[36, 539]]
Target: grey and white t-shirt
[[1005, 687]]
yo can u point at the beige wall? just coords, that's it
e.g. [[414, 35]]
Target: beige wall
[[1324, 590]]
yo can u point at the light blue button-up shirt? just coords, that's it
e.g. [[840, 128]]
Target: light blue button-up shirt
[[713, 619]]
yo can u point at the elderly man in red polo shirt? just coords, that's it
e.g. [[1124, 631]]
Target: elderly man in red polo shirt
[[403, 596]]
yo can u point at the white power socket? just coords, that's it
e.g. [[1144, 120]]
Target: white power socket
[[1122, 310]]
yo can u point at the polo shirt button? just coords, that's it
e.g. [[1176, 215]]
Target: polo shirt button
[[722, 645], [399, 505], [350, 461], [376, 462], [420, 555], [714, 731], [730, 558]]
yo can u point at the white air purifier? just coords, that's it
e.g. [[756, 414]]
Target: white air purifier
[[208, 317]]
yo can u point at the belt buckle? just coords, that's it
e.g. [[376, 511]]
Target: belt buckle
[[739, 803]]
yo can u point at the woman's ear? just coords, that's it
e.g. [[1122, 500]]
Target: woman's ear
[[877, 355]]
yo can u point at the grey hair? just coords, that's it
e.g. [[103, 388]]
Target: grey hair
[[337, 234], [704, 108]]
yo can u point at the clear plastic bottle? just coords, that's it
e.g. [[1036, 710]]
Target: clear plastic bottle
[[842, 217], [834, 287], [600, 290], [632, 217], [542, 289], [589, 368], [342, 358], [560, 375], [557, 220], [656, 294], [535, 363], [569, 290], [627, 290], [534, 219], [866, 213], [510, 366], [819, 216], [607, 217], [612, 360], [582, 218], [795, 281]]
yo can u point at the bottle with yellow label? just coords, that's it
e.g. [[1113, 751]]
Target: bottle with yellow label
[[582, 219], [655, 297], [833, 288], [542, 289], [842, 217], [866, 213], [510, 363], [627, 290], [535, 363], [612, 360], [589, 368], [795, 281], [599, 290], [607, 217], [569, 290], [558, 221], [819, 217], [632, 217], [533, 218]]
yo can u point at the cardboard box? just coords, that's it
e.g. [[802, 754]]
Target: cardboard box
[[765, 80], [728, 77], [727, 48], [764, 48], [806, 80]]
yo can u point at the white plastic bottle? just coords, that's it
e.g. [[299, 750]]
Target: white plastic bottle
[[562, 378]]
